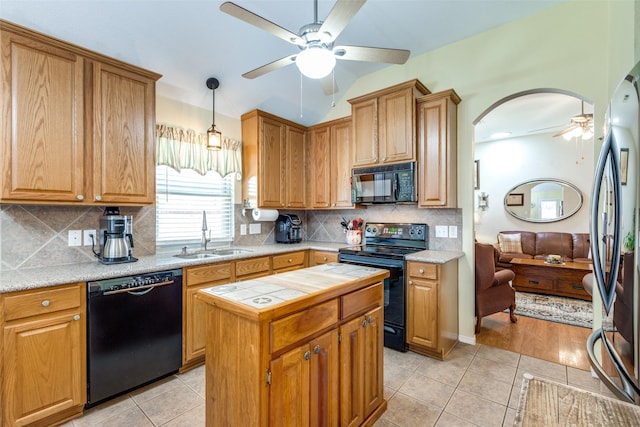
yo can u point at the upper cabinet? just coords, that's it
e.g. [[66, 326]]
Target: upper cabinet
[[273, 161], [384, 124], [77, 127], [437, 149], [330, 165]]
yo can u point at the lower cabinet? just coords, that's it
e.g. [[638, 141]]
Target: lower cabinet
[[322, 257], [289, 261], [44, 355], [432, 307]]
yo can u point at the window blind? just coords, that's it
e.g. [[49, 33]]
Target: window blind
[[181, 197]]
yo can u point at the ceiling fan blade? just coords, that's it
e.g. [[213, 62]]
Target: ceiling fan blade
[[372, 54], [258, 21], [567, 130], [329, 86], [279, 63], [547, 128], [339, 17]]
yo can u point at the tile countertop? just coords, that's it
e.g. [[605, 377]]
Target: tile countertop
[[33, 278]]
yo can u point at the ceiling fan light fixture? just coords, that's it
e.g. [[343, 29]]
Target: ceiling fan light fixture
[[315, 61]]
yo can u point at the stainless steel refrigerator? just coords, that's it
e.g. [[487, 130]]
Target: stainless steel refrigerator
[[614, 243]]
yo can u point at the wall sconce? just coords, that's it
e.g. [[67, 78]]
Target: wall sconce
[[214, 136], [483, 201]]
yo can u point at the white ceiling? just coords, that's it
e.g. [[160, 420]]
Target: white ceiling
[[189, 41]]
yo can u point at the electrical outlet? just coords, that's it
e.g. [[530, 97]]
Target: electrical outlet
[[75, 237], [243, 229], [453, 232], [86, 238], [442, 231], [255, 228]]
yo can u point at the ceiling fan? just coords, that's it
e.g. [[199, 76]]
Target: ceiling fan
[[581, 125], [317, 56]]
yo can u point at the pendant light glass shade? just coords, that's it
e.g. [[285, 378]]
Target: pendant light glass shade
[[214, 136], [316, 62]]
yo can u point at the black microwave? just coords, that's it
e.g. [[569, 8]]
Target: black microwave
[[384, 184]]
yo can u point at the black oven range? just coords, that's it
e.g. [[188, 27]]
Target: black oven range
[[385, 246]]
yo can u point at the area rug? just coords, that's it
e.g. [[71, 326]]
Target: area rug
[[545, 403], [570, 311]]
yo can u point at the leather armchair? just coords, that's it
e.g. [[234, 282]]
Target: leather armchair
[[493, 290]]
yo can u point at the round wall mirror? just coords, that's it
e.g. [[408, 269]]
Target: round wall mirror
[[543, 200]]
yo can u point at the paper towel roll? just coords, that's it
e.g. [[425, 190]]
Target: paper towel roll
[[265, 214]]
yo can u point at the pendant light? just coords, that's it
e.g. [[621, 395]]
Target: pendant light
[[214, 136]]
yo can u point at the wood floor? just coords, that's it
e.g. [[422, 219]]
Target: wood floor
[[545, 340]]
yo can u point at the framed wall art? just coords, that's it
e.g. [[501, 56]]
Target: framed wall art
[[515, 199]]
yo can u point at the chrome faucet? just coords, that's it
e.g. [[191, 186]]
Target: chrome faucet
[[204, 239]]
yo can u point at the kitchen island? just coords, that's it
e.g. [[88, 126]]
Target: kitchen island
[[298, 348]]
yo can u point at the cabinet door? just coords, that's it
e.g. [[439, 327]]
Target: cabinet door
[[340, 176], [320, 166], [396, 127], [44, 370], [289, 392], [295, 184], [124, 136], [323, 380], [352, 372], [42, 114], [422, 312], [195, 337], [272, 173], [372, 361], [437, 152], [364, 116]]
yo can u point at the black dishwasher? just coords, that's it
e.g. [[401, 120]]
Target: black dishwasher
[[134, 332]]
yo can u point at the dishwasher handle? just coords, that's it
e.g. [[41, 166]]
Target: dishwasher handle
[[136, 290]]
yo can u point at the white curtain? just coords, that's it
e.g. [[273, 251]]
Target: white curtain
[[184, 149]]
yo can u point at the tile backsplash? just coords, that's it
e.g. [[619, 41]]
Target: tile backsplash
[[37, 236]]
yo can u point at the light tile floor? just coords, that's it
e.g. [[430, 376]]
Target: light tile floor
[[475, 386]]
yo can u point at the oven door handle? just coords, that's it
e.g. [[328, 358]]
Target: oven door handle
[[371, 261]]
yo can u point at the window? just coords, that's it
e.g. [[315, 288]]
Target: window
[[180, 199]]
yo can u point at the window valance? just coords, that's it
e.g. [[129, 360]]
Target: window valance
[[185, 149]]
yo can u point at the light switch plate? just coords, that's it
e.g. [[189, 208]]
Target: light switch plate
[[442, 231], [254, 229], [243, 229], [453, 232]]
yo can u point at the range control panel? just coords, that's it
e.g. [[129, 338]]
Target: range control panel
[[396, 231]]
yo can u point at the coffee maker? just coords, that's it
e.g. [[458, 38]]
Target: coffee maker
[[288, 229], [116, 237]]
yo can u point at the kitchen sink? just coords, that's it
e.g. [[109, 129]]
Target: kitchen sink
[[231, 251], [197, 256]]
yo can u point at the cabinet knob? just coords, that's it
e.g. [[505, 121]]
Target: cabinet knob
[[289, 260], [384, 159], [45, 303], [364, 323], [307, 355], [324, 258], [316, 349], [410, 282], [80, 197], [369, 319], [76, 317], [421, 271], [98, 198]]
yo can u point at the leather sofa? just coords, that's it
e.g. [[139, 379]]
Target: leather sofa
[[572, 246]]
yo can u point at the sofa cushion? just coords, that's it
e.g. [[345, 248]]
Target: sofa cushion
[[511, 243], [581, 247], [554, 243], [527, 238]]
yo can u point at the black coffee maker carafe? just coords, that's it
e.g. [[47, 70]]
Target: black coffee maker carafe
[[116, 237]]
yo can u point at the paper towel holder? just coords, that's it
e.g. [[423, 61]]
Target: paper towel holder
[[246, 205]]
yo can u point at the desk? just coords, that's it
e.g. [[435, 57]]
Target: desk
[[536, 275]]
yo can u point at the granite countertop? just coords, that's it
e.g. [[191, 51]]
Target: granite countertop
[[33, 278]]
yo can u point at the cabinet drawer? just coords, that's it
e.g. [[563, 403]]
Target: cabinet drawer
[[361, 301], [323, 257], [50, 300], [288, 260], [252, 266], [301, 325], [423, 270], [207, 273]]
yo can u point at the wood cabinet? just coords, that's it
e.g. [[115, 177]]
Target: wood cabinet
[[193, 310], [384, 125], [432, 307], [44, 355], [289, 261], [322, 257], [437, 150], [330, 164], [78, 127], [273, 159], [284, 365]]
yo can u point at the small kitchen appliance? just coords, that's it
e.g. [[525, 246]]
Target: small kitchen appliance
[[288, 229], [116, 237], [394, 183]]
